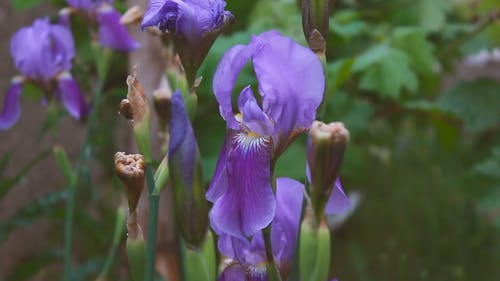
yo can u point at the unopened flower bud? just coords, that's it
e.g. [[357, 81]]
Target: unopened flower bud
[[191, 208], [131, 169], [325, 149], [315, 16], [125, 109], [132, 16]]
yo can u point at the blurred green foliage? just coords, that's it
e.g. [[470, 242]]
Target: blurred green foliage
[[425, 157]]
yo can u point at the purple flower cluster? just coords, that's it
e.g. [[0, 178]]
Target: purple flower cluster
[[43, 53]]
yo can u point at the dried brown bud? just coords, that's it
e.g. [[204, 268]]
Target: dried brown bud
[[131, 169], [133, 15], [137, 98], [126, 109]]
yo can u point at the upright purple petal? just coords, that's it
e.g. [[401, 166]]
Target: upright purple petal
[[225, 77], [285, 228], [338, 201], [291, 82], [70, 95], [11, 105], [249, 204], [161, 13], [112, 33], [253, 117]]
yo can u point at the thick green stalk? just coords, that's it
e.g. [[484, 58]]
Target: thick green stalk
[[273, 273]]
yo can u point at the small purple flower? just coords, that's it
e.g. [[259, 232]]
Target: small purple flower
[[112, 33], [194, 25], [291, 85], [338, 202], [249, 256], [42, 53]]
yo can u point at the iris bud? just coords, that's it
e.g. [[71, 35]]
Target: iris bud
[[136, 248], [315, 16], [325, 149], [191, 208]]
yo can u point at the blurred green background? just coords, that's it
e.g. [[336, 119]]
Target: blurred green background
[[423, 111]]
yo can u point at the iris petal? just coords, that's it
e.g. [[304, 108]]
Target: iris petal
[[338, 201], [225, 77], [11, 106], [253, 116], [284, 232], [249, 205], [112, 33], [70, 95], [291, 82]]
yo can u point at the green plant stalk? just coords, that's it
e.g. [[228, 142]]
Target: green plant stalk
[[117, 237], [84, 153], [324, 103], [273, 273], [154, 195]]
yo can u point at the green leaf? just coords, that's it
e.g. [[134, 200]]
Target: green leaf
[[24, 4], [44, 206], [7, 184], [490, 166], [64, 163], [414, 43], [386, 71], [476, 103], [347, 24], [432, 14]]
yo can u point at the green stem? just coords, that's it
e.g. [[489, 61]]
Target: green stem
[[82, 157], [272, 269], [117, 237], [152, 224]]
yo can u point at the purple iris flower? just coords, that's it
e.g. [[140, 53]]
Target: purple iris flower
[[189, 18], [42, 53], [291, 85], [112, 33], [194, 25], [248, 257]]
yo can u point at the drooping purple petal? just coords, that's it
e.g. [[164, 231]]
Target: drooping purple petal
[[42, 50], [233, 272], [249, 204], [291, 82], [219, 183], [71, 97], [112, 33], [285, 228], [11, 106], [338, 201], [225, 77]]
